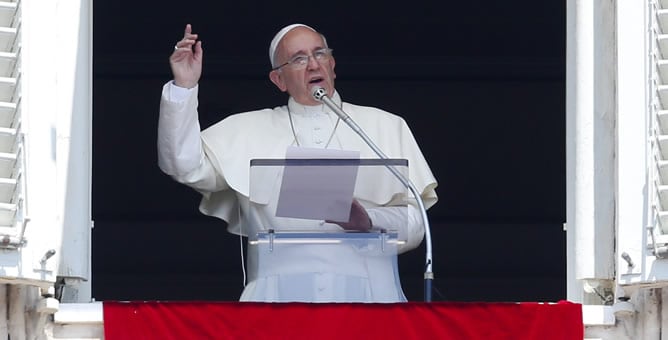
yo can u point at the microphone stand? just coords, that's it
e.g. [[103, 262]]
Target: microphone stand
[[320, 94]]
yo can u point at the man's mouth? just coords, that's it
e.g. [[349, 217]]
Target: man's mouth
[[316, 80]]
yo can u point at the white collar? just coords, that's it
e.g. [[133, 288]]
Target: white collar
[[309, 110]]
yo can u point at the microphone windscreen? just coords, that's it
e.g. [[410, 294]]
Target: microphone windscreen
[[318, 92]]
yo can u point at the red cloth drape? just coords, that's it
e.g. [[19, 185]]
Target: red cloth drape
[[413, 320]]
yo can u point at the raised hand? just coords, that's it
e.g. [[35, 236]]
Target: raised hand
[[186, 60]]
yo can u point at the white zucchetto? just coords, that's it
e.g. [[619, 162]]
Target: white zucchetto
[[278, 37]]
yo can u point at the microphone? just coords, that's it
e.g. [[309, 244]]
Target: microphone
[[320, 94]]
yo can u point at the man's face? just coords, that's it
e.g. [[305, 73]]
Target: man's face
[[298, 80]]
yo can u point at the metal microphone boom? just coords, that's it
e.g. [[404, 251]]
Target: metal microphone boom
[[320, 94]]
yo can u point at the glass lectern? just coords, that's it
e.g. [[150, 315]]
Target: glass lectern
[[294, 217]]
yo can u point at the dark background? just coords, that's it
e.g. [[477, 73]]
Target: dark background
[[482, 85]]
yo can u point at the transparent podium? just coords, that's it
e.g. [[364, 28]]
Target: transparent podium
[[304, 244]]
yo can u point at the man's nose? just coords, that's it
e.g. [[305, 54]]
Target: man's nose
[[313, 63]]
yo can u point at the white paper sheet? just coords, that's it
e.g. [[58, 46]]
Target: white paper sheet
[[315, 191]]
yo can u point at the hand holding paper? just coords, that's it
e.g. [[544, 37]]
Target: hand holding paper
[[359, 219]]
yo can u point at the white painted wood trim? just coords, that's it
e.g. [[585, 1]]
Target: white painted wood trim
[[79, 313], [598, 315]]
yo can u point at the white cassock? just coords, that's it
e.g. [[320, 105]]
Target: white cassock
[[216, 163]]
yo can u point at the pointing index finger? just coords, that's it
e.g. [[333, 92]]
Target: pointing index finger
[[187, 34]]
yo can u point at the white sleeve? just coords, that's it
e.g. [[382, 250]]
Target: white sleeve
[[178, 94], [408, 220], [180, 152]]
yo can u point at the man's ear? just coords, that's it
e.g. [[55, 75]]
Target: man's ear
[[275, 77]]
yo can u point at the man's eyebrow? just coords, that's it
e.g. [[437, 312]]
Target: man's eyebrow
[[304, 52]]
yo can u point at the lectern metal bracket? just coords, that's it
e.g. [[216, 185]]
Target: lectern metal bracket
[[272, 234]]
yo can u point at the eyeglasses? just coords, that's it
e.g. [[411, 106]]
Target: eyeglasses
[[301, 60]]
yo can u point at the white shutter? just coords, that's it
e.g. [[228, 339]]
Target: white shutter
[[12, 179], [659, 117], [658, 73]]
